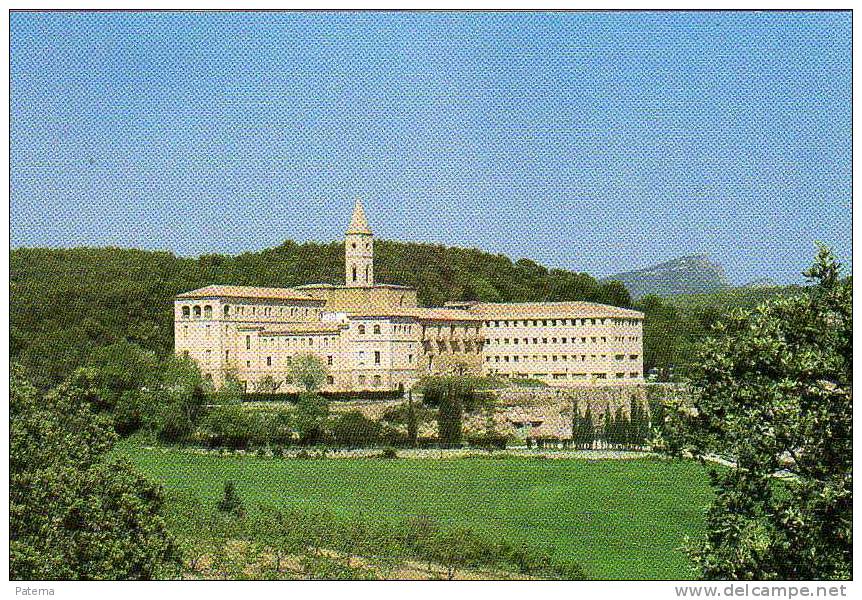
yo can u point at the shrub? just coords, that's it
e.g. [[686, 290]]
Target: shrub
[[278, 452], [231, 426], [389, 453], [488, 441], [231, 502], [353, 429], [567, 571], [312, 411]]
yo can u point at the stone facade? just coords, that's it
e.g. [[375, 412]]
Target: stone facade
[[376, 337]]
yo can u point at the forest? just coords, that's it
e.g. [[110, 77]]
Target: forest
[[65, 303]]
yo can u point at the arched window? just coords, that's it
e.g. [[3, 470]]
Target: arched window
[[186, 312], [377, 329], [362, 330], [208, 312], [226, 310], [197, 312]]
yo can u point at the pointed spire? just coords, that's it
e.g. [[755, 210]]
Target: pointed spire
[[358, 222]]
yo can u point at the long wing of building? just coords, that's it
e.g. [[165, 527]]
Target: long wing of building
[[375, 336]]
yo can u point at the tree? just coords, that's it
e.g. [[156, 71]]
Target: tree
[[122, 367], [73, 513], [412, 421], [231, 390], [607, 426], [312, 411], [449, 394], [231, 502], [267, 385], [588, 432], [773, 392], [308, 371], [181, 398]]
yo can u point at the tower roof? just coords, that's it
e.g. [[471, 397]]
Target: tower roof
[[358, 222]]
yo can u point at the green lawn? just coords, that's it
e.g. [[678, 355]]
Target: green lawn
[[619, 519]]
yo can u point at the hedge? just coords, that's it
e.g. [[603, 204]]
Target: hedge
[[293, 397]]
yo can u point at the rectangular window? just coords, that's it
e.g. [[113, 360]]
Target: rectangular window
[[329, 360], [376, 357], [248, 342], [410, 359], [361, 357], [268, 361], [330, 380]]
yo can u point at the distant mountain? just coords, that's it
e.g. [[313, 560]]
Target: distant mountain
[[686, 275], [761, 282]]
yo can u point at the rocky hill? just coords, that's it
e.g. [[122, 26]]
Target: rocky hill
[[685, 275]]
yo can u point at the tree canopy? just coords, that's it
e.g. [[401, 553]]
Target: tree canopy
[[68, 302], [73, 513], [772, 393]]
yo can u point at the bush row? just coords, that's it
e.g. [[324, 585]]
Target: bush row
[[293, 397], [279, 533]]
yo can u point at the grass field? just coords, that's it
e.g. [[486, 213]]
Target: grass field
[[621, 519]]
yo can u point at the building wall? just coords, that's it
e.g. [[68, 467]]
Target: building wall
[[213, 331], [451, 347], [565, 351], [359, 260], [370, 299]]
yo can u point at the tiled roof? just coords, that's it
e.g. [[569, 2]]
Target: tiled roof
[[358, 222], [422, 314], [544, 310], [242, 291]]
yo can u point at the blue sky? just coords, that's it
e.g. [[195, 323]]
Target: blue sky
[[598, 142]]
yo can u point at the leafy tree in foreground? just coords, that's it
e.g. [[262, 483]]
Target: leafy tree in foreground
[[773, 392], [180, 401], [73, 514]]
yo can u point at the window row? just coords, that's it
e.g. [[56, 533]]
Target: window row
[[292, 342], [206, 311], [376, 329], [562, 340], [555, 357], [560, 322], [558, 376], [197, 311]]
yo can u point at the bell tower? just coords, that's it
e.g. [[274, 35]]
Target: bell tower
[[359, 250]]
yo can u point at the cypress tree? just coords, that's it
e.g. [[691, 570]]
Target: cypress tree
[[619, 427], [576, 424], [607, 429], [412, 424], [589, 430]]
